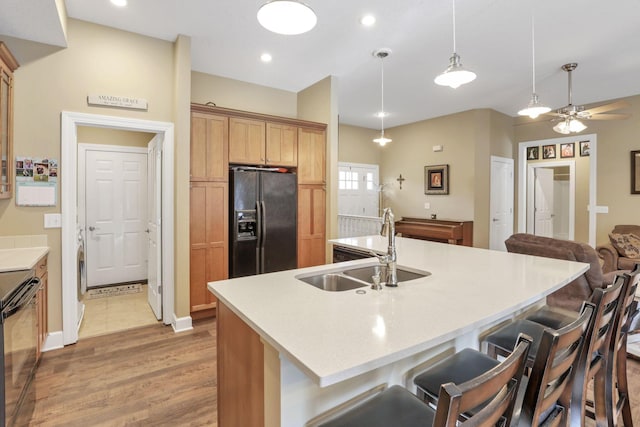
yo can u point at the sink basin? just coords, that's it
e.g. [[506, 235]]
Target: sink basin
[[404, 273], [337, 280], [332, 282]]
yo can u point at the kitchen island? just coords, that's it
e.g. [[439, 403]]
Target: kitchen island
[[288, 351]]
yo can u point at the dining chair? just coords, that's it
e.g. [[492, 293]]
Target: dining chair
[[397, 406], [546, 394]]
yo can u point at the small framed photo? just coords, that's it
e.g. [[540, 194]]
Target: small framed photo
[[436, 179], [533, 153], [549, 151], [585, 148], [635, 172], [567, 150]]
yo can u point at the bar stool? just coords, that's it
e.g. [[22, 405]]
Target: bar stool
[[398, 406], [553, 357]]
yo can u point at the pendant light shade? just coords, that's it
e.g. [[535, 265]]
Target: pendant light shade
[[455, 75], [287, 17], [382, 54], [535, 107]]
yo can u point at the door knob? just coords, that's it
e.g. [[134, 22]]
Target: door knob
[[92, 228]]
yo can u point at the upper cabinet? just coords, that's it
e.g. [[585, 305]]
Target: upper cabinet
[[209, 147], [282, 145], [311, 156], [246, 141], [8, 65]]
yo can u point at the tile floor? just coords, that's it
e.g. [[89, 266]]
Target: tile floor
[[115, 313]]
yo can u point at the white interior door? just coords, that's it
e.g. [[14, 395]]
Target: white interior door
[[501, 203], [543, 198], [358, 189], [115, 217], [154, 230]]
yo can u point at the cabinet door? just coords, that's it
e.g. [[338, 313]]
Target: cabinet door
[[246, 141], [282, 145], [8, 64], [209, 241], [311, 225], [311, 156], [209, 147]]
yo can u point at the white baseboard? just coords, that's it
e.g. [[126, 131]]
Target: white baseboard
[[54, 341], [181, 324]]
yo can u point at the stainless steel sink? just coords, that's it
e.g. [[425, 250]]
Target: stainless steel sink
[[333, 282], [404, 273], [337, 280]]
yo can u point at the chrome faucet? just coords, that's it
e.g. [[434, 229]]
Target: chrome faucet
[[389, 260]]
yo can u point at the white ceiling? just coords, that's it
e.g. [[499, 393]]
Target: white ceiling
[[493, 39]]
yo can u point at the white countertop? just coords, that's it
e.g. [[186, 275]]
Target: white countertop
[[333, 336], [21, 258]]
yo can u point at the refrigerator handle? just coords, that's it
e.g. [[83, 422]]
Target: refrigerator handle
[[263, 232], [259, 236]]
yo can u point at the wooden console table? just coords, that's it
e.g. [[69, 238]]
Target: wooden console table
[[438, 230]]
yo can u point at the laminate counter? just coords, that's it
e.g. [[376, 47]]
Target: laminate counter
[[21, 258], [332, 345]]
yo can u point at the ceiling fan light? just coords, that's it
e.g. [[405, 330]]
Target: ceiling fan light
[[535, 108], [287, 17], [576, 126], [562, 127], [455, 75]]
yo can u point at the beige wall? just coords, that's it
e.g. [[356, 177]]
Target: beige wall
[[98, 60], [104, 136], [356, 146], [238, 95], [616, 139], [319, 103]]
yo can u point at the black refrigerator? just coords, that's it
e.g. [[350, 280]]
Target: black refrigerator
[[262, 222]]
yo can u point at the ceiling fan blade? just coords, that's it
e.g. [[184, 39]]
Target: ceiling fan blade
[[609, 117], [607, 107]]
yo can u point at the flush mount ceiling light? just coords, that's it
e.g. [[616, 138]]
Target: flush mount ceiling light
[[382, 54], [119, 3], [368, 20], [287, 17], [265, 57], [455, 74], [535, 107]]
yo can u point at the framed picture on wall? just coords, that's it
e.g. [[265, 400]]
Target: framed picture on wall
[[436, 179], [549, 151], [635, 172], [567, 150], [585, 148], [533, 153]]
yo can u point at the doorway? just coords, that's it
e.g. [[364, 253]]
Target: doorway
[[70, 228], [524, 196], [551, 189]]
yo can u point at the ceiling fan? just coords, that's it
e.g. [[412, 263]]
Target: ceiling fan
[[569, 116]]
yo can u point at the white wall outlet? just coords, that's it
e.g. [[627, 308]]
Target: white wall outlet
[[437, 148], [53, 220], [427, 205]]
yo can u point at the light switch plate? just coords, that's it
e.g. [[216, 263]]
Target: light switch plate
[[427, 205], [53, 220]]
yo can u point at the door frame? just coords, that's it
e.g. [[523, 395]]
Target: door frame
[[69, 206], [572, 192], [592, 208]]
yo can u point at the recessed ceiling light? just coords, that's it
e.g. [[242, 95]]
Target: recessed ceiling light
[[265, 57], [368, 20], [288, 17], [381, 114], [119, 3]]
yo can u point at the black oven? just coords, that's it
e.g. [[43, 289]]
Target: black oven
[[19, 334]]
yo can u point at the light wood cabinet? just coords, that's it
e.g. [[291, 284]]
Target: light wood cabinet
[[282, 145], [311, 156], [8, 65], [246, 141], [209, 147], [209, 240], [42, 303], [311, 225]]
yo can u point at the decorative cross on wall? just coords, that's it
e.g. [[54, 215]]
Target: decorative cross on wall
[[400, 179]]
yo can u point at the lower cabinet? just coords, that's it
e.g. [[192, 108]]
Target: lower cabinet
[[41, 303], [209, 254], [311, 225]]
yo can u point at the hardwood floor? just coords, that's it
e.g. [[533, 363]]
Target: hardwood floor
[[150, 376]]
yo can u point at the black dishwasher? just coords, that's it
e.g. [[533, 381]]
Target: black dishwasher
[[19, 334]]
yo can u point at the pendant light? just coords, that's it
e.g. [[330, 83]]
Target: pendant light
[[535, 107], [455, 74], [382, 54], [288, 17]]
